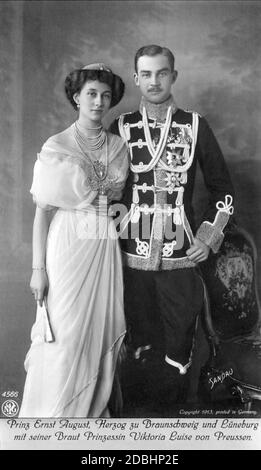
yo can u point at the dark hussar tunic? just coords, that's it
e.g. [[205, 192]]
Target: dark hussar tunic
[[163, 291], [159, 196]]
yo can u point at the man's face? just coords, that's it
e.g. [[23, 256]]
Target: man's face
[[155, 78]]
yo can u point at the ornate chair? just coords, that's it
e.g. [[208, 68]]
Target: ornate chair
[[232, 373]]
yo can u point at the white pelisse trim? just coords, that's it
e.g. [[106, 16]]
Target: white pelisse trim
[[182, 369]]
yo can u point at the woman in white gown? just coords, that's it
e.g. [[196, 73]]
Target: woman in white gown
[[77, 270]]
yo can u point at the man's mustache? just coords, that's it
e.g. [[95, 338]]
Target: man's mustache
[[155, 89]]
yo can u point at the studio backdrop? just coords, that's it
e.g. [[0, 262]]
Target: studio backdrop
[[217, 50]]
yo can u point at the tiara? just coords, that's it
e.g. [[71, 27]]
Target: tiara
[[98, 66]]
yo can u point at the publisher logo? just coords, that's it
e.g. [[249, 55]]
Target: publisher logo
[[10, 408]]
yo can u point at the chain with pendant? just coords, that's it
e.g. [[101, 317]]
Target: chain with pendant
[[99, 168]]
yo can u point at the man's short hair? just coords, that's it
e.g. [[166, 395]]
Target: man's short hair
[[153, 50]]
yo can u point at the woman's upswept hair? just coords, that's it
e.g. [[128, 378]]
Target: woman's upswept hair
[[75, 81]]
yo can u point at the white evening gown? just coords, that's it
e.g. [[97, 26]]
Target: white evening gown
[[73, 376]]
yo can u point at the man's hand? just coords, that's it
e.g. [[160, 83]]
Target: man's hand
[[198, 251]]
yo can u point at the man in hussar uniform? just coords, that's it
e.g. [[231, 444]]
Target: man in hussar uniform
[[161, 246]]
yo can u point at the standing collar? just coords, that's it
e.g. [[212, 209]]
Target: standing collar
[[158, 111]]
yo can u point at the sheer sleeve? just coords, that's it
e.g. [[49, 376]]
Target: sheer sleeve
[[59, 182]]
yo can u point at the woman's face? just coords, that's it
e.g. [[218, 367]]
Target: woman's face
[[94, 100]]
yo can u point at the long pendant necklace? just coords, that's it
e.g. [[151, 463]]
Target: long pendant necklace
[[100, 169]]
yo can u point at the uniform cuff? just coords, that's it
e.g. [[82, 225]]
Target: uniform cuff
[[212, 233]]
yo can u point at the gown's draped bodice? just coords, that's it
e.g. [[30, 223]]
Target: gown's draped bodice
[[65, 178]]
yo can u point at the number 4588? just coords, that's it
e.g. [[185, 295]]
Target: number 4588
[[10, 394]]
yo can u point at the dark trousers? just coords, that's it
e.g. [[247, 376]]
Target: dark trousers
[[161, 309]]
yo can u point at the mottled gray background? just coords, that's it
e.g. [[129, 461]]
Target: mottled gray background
[[217, 48]]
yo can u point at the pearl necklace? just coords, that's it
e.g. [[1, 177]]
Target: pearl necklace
[[93, 143], [100, 169]]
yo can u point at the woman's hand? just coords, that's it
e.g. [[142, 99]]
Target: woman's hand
[[198, 251], [39, 284]]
